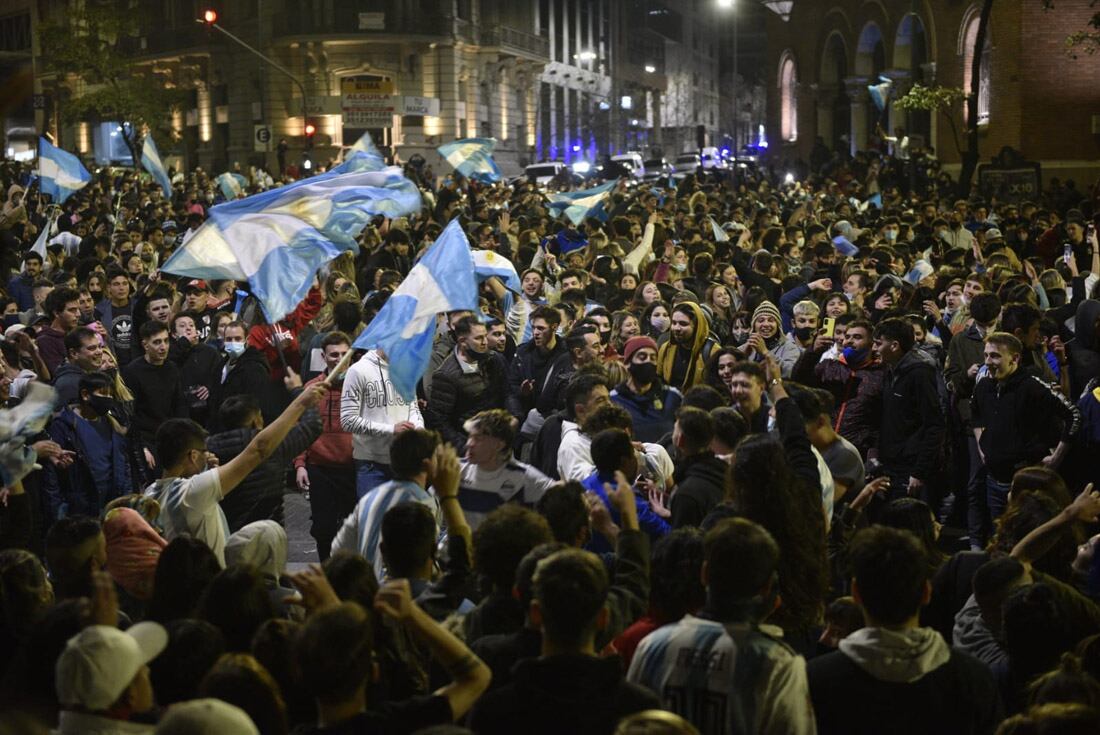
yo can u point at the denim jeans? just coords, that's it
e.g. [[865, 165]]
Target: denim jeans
[[369, 475], [996, 494]]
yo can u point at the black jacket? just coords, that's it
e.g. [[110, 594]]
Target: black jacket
[[580, 695], [249, 375], [529, 363], [1018, 417], [700, 487], [1084, 350], [912, 427], [158, 395], [544, 451], [552, 394], [200, 365], [456, 396], [262, 490]]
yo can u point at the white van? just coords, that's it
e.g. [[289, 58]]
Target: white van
[[631, 160], [542, 173], [712, 158]]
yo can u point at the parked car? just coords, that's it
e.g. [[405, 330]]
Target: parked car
[[632, 162], [542, 173], [686, 163], [657, 168]]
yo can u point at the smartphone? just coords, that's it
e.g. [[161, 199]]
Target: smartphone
[[1067, 253], [828, 326]]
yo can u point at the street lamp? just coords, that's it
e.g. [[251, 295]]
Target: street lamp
[[210, 19]]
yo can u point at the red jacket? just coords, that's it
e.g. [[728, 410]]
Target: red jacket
[[333, 447], [263, 336]]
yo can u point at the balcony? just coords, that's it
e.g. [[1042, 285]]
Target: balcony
[[515, 42]]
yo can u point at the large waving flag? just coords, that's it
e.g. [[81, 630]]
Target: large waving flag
[[488, 264], [359, 161], [443, 280], [580, 205], [232, 185], [276, 240], [719, 234], [880, 93], [473, 158], [150, 159], [43, 236], [61, 174]]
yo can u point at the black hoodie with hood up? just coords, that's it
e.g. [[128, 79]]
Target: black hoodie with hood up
[[1084, 350]]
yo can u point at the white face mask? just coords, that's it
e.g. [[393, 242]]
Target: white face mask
[[234, 349], [800, 241]]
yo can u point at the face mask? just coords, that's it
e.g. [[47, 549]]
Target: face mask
[[800, 241], [234, 349], [679, 267], [605, 337], [852, 356], [660, 323], [803, 333], [643, 373], [101, 404], [891, 235], [147, 257]]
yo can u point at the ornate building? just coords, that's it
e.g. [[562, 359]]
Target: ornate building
[[1034, 96]]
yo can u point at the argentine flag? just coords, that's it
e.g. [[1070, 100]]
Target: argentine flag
[[60, 173], [231, 185], [150, 159], [880, 92], [359, 161], [443, 280], [719, 234], [580, 205], [488, 264], [473, 158], [276, 240]]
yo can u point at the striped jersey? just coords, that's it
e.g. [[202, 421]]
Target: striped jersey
[[726, 679], [482, 491], [361, 531]]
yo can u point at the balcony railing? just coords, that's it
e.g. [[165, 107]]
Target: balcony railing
[[344, 21], [510, 39]]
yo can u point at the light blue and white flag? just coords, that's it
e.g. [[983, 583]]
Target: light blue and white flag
[[844, 246], [231, 185], [488, 264], [719, 234], [442, 281], [580, 205], [276, 240], [44, 236], [61, 174], [921, 270], [473, 158], [359, 161], [365, 144], [880, 93], [150, 159]]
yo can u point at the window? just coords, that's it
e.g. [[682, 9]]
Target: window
[[969, 40], [788, 98]]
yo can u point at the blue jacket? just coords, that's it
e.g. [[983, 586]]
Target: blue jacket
[[100, 473], [649, 522], [653, 414], [21, 288]]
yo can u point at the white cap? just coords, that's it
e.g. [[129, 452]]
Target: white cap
[[100, 662], [205, 717]]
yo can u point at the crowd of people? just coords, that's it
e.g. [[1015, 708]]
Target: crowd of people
[[737, 454]]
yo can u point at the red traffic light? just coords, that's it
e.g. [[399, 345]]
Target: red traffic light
[[210, 16], [310, 129]]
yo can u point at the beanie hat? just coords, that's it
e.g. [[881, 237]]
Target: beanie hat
[[634, 344], [766, 307]]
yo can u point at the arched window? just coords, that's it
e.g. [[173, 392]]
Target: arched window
[[969, 40], [788, 98]]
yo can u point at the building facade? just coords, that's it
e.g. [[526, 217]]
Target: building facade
[[1034, 96], [548, 79]]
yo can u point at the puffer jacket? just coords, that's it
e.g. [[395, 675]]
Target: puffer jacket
[[457, 396], [858, 393], [333, 447]]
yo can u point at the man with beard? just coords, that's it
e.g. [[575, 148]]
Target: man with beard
[[651, 404], [682, 356], [468, 381]]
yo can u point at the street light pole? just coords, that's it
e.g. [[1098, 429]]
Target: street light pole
[[269, 60]]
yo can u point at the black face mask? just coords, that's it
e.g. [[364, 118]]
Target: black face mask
[[644, 373], [803, 333], [101, 404]]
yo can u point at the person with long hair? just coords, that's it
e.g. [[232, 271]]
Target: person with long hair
[[656, 320], [624, 325], [720, 369], [645, 295], [719, 307]]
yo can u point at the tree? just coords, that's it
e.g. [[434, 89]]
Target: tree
[[91, 47], [935, 99], [1084, 41]]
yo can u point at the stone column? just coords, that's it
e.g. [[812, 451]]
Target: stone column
[[860, 99]]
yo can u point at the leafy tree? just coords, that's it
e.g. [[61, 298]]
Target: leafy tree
[[1086, 40], [96, 48], [936, 98]]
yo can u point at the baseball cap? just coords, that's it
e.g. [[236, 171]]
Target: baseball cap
[[170, 226], [196, 285], [202, 716], [993, 234], [99, 662]]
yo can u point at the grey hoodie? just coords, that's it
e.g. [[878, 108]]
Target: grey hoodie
[[896, 656]]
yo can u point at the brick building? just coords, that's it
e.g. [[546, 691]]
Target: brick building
[[1034, 96]]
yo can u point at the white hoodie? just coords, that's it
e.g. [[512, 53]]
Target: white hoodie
[[370, 406]]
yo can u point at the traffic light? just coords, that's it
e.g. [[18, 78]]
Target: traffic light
[[210, 16], [310, 129]]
